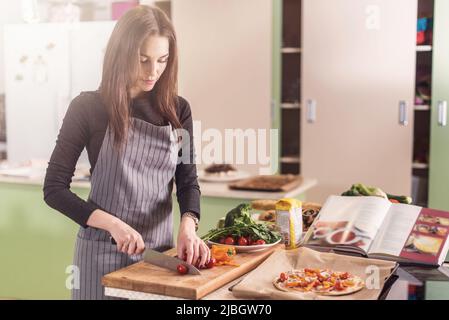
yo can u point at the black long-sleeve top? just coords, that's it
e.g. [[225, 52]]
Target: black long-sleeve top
[[84, 126]]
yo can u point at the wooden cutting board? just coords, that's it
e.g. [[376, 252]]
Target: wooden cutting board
[[273, 183], [148, 278]]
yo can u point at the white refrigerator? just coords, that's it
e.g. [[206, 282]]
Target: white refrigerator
[[46, 66]]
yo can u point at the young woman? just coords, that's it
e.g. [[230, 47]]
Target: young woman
[[128, 128]]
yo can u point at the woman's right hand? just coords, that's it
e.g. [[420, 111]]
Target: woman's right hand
[[128, 240]]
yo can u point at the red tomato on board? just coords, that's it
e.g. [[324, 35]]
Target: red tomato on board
[[211, 263], [182, 269]]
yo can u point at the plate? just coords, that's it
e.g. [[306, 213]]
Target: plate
[[427, 244], [238, 175], [255, 248], [355, 237]]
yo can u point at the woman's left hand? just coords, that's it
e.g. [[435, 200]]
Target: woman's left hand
[[190, 247]]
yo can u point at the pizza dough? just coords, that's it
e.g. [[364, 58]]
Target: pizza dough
[[319, 281]]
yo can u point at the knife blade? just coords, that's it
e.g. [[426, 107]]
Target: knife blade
[[165, 261]]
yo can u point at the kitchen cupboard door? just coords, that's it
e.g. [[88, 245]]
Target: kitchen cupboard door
[[439, 144], [358, 65], [88, 42], [37, 80], [225, 69]]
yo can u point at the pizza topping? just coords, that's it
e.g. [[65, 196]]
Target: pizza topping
[[339, 286], [283, 277]]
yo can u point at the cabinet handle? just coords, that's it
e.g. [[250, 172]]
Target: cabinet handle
[[442, 113], [273, 109], [403, 116], [311, 111]]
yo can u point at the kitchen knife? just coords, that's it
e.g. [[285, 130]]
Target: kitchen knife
[[165, 261]]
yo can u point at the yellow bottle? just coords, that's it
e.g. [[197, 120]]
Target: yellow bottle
[[289, 221]]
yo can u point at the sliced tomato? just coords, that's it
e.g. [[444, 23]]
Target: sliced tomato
[[182, 269], [283, 277], [344, 276], [211, 263], [339, 286]]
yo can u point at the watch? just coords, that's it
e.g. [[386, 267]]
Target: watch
[[194, 218]]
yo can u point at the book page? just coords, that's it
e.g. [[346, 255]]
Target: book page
[[427, 241], [352, 221], [395, 230]]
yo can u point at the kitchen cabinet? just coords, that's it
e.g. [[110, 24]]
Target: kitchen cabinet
[[37, 244], [439, 151], [343, 83], [423, 100], [46, 66], [289, 50], [225, 72], [358, 70]]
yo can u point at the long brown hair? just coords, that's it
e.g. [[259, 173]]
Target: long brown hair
[[121, 69]]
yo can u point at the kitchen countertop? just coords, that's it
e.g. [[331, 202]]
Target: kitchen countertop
[[400, 290], [39, 181], [221, 294], [208, 189]]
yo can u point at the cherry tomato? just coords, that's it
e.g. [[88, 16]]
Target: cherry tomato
[[283, 277], [211, 263], [222, 240], [339, 286], [243, 241], [182, 269], [260, 242], [229, 241], [344, 276]]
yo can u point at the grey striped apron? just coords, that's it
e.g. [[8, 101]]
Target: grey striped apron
[[134, 185]]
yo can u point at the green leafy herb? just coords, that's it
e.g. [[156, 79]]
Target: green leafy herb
[[238, 223]]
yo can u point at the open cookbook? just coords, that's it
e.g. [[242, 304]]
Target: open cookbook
[[376, 228]]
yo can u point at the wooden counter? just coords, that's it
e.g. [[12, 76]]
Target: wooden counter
[[208, 189]]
